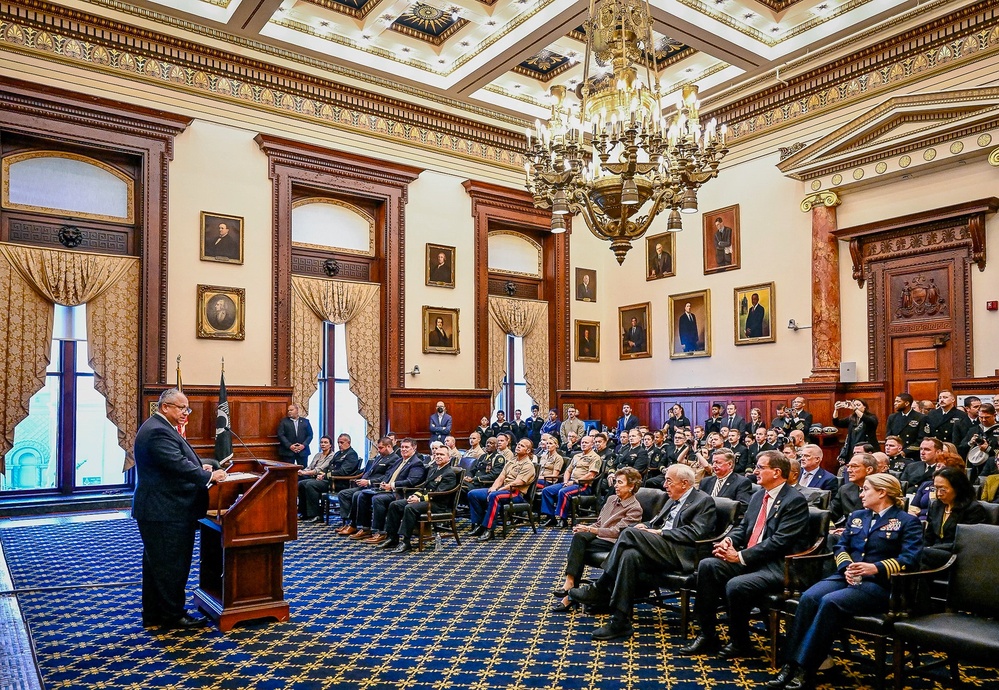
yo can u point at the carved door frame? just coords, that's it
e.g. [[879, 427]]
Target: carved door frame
[[951, 239]]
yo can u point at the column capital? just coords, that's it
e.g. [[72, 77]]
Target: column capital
[[994, 158], [826, 197]]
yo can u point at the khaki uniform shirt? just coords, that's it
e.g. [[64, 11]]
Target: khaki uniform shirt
[[583, 464], [517, 473]]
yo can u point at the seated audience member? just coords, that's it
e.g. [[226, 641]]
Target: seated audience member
[[620, 511], [664, 545], [312, 481], [601, 446], [631, 455], [797, 439], [981, 444], [955, 505], [695, 436], [485, 430], [510, 485], [451, 445], [404, 513], [847, 499], [484, 471], [571, 446], [700, 461], [774, 439], [550, 463], [375, 474], [734, 443], [666, 459], [725, 482], [581, 471], [475, 449], [757, 445], [920, 471], [789, 452], [812, 474], [879, 541], [749, 563], [897, 459], [504, 444], [882, 459], [372, 503], [926, 492]]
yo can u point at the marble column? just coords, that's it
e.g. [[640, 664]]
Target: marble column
[[827, 344]]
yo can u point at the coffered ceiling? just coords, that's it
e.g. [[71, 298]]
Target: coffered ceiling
[[505, 54]]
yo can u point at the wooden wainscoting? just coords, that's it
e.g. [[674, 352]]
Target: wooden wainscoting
[[409, 411], [254, 414]]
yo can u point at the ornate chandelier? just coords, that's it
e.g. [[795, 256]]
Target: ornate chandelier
[[620, 152]]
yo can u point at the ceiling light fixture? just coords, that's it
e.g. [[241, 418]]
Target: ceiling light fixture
[[621, 150]]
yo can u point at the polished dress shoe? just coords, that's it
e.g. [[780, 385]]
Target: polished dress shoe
[[403, 547], [736, 650], [347, 531], [783, 677], [389, 544], [560, 593], [362, 534], [550, 522], [376, 539], [701, 645], [563, 606], [486, 535], [587, 594], [185, 622], [802, 680], [617, 628], [476, 531], [563, 524]]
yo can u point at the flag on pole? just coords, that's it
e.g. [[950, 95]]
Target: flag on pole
[[223, 435], [181, 428]]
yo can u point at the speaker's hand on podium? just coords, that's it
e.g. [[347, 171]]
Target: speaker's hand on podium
[[218, 476]]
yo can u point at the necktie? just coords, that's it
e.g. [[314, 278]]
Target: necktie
[[671, 516], [761, 521], [731, 421], [718, 487], [807, 479]]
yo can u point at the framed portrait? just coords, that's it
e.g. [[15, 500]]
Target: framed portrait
[[690, 324], [440, 330], [587, 341], [722, 240], [754, 314], [586, 285], [660, 251], [221, 238], [221, 312], [440, 265], [635, 327]]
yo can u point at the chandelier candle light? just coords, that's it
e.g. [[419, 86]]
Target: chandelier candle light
[[620, 152]]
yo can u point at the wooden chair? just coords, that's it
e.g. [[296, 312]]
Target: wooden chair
[[429, 522], [328, 499], [966, 629], [512, 513], [588, 503]]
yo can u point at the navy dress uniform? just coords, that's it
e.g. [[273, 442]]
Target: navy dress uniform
[[893, 542]]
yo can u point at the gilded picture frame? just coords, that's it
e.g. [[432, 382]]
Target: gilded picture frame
[[221, 312], [690, 337], [635, 330], [587, 341], [440, 265], [221, 238], [440, 331], [722, 240], [754, 314], [586, 285], [660, 264]]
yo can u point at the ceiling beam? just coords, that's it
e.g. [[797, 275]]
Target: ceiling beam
[[252, 16], [701, 38]]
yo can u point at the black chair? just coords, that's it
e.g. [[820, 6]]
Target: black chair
[[431, 521], [992, 509], [727, 513], [586, 508], [329, 499], [818, 498], [652, 501], [513, 514], [968, 628]]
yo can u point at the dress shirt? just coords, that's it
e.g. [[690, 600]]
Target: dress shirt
[[770, 506], [675, 510]]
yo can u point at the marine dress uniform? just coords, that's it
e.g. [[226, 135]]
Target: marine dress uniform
[[892, 541]]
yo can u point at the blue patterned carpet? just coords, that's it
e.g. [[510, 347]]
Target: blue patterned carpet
[[473, 616]]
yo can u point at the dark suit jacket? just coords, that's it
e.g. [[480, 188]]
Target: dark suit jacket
[[754, 322], [660, 264], [823, 480], [688, 331], [623, 425], [584, 292], [784, 532], [344, 463], [227, 246], [440, 428], [864, 430], [736, 423], [909, 428], [438, 338], [287, 436], [736, 487], [940, 534], [379, 467], [171, 484], [916, 472], [634, 335], [695, 521], [440, 273], [845, 501], [413, 473]]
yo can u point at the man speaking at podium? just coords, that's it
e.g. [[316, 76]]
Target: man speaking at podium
[[171, 495]]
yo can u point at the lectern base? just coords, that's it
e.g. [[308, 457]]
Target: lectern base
[[226, 618]]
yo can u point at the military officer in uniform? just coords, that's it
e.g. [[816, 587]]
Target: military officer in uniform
[[407, 511], [879, 541]]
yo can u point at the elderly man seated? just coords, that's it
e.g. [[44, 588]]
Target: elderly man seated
[[623, 510], [665, 544]]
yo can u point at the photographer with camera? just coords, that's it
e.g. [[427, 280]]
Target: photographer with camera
[[861, 426], [981, 444]]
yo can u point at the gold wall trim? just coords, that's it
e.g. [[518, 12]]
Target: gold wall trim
[[963, 37], [342, 204], [10, 160]]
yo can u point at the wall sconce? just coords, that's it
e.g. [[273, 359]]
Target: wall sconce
[[792, 325], [415, 371]]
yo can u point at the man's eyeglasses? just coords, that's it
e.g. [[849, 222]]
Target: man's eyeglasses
[[185, 410]]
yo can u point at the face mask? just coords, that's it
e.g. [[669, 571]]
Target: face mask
[[440, 409]]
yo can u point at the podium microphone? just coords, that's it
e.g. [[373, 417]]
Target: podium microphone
[[230, 461]]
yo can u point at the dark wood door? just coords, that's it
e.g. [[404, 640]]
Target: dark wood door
[[921, 365]]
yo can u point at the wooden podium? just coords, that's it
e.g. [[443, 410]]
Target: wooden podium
[[242, 543]]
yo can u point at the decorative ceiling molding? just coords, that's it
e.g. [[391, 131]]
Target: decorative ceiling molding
[[903, 135]]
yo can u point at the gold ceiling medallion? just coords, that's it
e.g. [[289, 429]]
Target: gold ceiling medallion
[[619, 152]]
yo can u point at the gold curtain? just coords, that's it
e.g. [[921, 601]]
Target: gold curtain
[[73, 278], [527, 319], [24, 351], [358, 306]]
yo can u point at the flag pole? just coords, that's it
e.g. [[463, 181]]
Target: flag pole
[[180, 380]]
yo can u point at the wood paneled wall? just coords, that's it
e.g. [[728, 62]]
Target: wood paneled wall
[[254, 414], [410, 410]]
